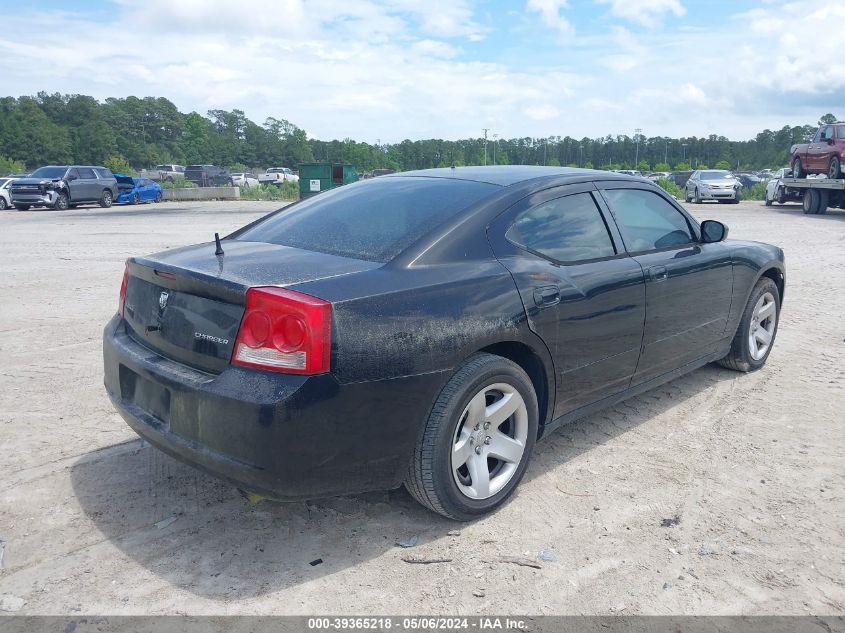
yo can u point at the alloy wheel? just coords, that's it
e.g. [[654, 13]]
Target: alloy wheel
[[489, 441], [762, 328]]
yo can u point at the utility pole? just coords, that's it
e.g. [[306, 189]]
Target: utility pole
[[666, 154], [495, 143], [684, 155], [637, 133], [485, 144], [545, 150], [580, 155]]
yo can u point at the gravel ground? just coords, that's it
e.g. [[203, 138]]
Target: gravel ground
[[718, 493]]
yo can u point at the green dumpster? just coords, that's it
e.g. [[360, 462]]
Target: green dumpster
[[317, 177]]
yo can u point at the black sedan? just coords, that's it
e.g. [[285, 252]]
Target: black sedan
[[427, 328]]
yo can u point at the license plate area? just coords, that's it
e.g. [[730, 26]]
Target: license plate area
[[145, 394]]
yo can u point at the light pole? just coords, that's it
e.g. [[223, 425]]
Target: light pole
[[637, 133], [495, 143], [580, 155], [666, 153], [485, 144], [684, 155]]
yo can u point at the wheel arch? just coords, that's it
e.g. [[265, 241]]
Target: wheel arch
[[776, 274], [539, 370]]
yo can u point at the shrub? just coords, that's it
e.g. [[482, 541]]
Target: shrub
[[755, 192], [9, 166], [671, 188], [119, 165], [287, 191], [178, 183]]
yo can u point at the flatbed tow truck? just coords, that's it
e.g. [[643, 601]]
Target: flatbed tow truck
[[818, 194]]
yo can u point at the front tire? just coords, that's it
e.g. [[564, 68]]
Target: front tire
[[61, 203], [697, 196], [158, 197], [477, 440], [756, 333], [798, 169], [3, 205], [781, 195], [136, 199], [106, 199]]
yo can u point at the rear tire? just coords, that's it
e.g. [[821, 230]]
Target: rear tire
[[3, 205], [106, 199], [835, 170], [781, 195], [758, 328], [798, 169], [136, 199], [463, 425], [697, 198], [158, 197], [810, 202]]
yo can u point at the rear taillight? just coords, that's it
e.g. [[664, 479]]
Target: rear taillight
[[123, 283], [284, 331]]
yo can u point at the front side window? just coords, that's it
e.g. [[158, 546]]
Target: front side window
[[568, 229], [827, 133], [647, 221]]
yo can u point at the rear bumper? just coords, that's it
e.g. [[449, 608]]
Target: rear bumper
[[285, 437]]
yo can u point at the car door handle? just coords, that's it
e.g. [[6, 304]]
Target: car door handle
[[658, 273], [546, 296]]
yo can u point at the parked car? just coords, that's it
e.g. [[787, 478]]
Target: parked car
[[427, 327], [712, 184], [680, 178], [208, 176], [657, 175], [244, 180], [134, 190], [64, 186], [164, 173], [277, 175], [823, 155], [776, 191], [5, 195], [748, 180]]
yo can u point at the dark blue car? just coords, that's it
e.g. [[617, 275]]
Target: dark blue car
[[137, 190]]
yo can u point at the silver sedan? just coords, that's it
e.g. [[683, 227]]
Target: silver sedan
[[712, 184]]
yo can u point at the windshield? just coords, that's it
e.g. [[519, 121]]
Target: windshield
[[716, 175], [49, 172], [372, 220], [277, 170]]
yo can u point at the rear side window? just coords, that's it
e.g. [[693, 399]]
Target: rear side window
[[372, 220], [647, 221], [103, 173], [568, 229], [86, 172]]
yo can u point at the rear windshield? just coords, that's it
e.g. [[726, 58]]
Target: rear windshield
[[372, 220]]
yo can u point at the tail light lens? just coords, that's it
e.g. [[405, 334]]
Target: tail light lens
[[285, 331], [123, 283]]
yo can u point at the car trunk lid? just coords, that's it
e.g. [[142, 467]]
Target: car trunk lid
[[187, 304]]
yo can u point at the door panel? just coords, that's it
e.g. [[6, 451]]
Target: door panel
[[689, 285], [688, 298], [589, 313]]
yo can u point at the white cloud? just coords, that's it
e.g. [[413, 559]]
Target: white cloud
[[645, 12], [550, 14]]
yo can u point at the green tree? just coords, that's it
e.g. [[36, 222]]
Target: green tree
[[643, 165], [9, 166], [723, 164], [118, 164], [682, 167], [662, 167], [827, 119]]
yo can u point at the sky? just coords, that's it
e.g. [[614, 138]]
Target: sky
[[386, 70]]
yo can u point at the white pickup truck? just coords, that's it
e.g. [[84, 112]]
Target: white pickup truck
[[164, 173], [277, 175]]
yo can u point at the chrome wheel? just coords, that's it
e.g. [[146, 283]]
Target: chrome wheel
[[489, 441], [762, 328]]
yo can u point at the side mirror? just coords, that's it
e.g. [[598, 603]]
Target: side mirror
[[713, 231]]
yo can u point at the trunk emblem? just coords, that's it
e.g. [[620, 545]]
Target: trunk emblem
[[162, 300]]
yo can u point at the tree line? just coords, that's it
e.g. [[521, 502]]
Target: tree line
[[133, 133]]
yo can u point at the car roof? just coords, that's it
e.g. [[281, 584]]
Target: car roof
[[507, 175]]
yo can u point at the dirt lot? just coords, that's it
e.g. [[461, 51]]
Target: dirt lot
[[93, 522]]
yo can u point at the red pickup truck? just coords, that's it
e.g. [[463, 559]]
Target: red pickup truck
[[823, 155]]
